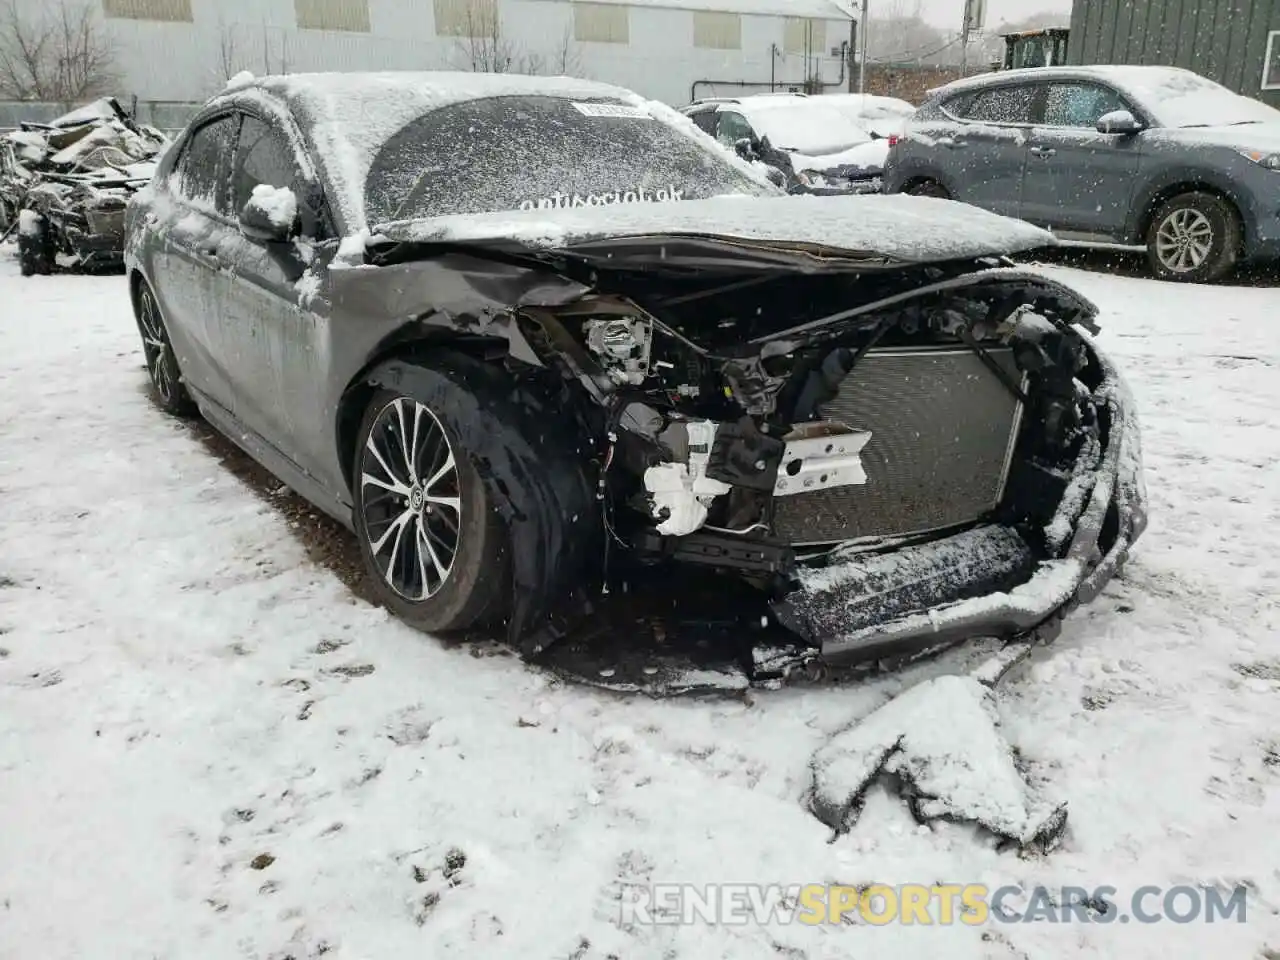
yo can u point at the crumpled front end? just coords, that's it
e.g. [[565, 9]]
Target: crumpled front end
[[885, 452], [993, 579]]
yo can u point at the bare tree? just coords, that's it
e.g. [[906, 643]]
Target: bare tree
[[566, 60], [229, 61], [485, 47], [58, 53]]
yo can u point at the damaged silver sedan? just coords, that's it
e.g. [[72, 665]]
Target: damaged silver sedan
[[527, 336]]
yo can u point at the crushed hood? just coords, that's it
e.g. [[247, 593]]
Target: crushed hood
[[897, 229]]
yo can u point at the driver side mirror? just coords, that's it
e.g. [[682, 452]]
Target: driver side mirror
[[1120, 122], [270, 215]]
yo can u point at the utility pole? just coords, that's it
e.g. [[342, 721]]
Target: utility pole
[[852, 51], [975, 18], [862, 69]]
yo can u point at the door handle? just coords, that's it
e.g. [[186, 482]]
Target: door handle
[[1043, 152], [953, 144]]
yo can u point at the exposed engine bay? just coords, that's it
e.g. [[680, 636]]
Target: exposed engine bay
[[874, 447], [711, 434]]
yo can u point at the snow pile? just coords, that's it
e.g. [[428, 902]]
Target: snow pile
[[241, 79], [897, 227], [941, 739], [278, 203]]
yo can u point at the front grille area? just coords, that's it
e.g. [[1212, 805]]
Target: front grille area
[[942, 427]]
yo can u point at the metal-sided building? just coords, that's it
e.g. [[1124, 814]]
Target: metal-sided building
[[1235, 42], [181, 50]]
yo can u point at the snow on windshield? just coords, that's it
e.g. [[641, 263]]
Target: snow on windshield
[[803, 126], [1179, 98], [351, 117], [539, 152]]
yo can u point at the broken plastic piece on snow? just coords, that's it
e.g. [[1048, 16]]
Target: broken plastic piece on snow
[[941, 739]]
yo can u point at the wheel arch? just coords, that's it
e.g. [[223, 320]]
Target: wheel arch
[[136, 281], [1155, 198], [532, 463], [919, 179], [360, 389]]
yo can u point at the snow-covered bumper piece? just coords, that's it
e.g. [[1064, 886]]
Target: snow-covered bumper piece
[[996, 580], [941, 740]]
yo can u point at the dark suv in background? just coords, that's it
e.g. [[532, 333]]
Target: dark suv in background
[[1153, 158]]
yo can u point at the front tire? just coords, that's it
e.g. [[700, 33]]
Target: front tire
[[1194, 238], [162, 362], [433, 545]]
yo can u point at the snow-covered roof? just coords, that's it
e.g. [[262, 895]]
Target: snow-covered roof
[[814, 9], [1176, 97]]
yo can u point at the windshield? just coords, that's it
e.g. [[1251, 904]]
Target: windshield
[[529, 152], [1180, 99], [803, 126]]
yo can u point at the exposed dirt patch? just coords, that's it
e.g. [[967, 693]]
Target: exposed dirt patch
[[1259, 670]]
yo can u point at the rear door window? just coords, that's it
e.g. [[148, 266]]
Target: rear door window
[[1002, 105], [1080, 104], [263, 156], [204, 173]]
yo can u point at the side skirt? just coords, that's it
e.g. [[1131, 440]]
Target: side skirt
[[275, 462]]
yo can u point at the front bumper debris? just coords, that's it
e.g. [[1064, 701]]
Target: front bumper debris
[[986, 581]]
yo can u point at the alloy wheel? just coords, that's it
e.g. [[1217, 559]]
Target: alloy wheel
[[156, 348], [1185, 240], [410, 496]]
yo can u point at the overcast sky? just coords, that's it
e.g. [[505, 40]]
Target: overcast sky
[[949, 13]]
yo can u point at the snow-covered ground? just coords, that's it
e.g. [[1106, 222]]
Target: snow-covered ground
[[210, 748]]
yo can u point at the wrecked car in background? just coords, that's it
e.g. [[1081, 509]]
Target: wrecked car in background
[[524, 335], [814, 146], [64, 185], [882, 117]]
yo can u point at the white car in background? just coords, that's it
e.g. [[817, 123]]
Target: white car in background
[[882, 117], [815, 146]]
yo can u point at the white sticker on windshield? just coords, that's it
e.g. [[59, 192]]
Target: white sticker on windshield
[[611, 110]]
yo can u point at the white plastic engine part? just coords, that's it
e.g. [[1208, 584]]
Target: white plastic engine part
[[682, 491]]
